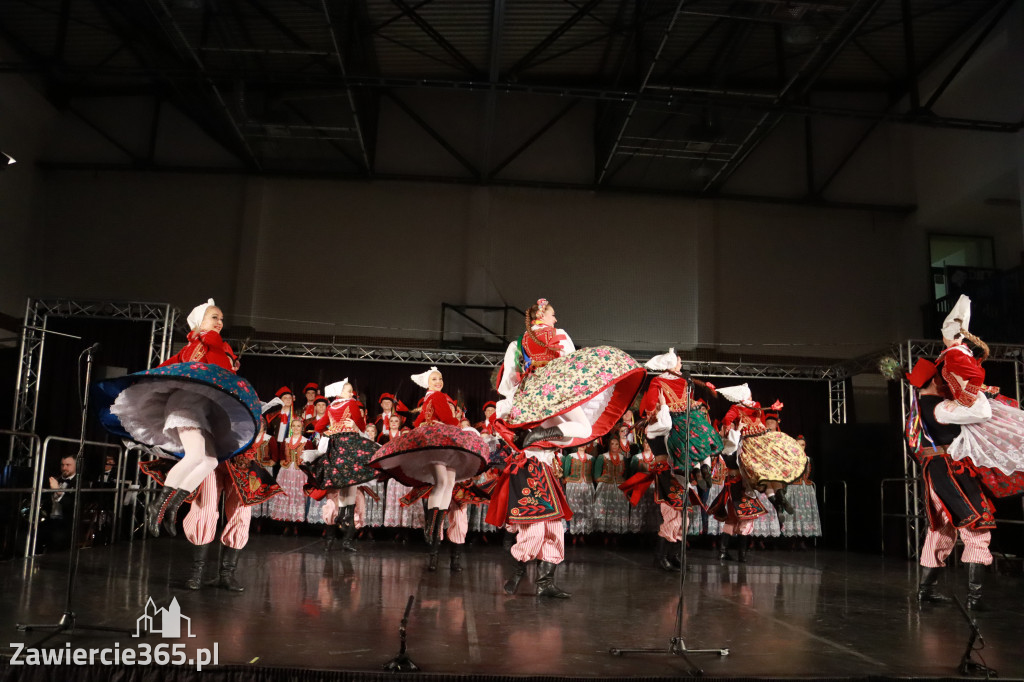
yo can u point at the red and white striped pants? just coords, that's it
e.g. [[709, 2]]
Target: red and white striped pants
[[458, 524], [201, 521], [544, 540], [938, 544], [671, 523]]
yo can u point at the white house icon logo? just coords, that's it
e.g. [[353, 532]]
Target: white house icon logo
[[169, 619]]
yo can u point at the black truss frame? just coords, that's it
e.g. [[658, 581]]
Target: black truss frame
[[178, 75]]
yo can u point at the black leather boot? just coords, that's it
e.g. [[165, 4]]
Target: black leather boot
[[926, 591], [673, 555], [741, 548], [330, 538], [455, 563], [348, 528], [512, 584], [661, 559], [157, 509], [975, 578], [723, 547], [195, 580], [228, 563], [437, 527], [429, 521], [170, 524], [545, 582], [536, 435]]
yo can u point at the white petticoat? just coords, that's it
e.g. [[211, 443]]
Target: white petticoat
[[996, 443], [151, 411]]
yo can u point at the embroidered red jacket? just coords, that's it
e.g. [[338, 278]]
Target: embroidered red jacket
[[675, 395], [437, 407], [751, 418], [963, 374], [206, 347]]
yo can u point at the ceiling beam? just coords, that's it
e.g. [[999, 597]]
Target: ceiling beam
[[437, 37], [900, 209], [527, 59]]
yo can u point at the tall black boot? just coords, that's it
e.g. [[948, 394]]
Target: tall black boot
[[926, 591], [228, 563], [348, 528], [519, 570], [195, 579], [170, 524], [723, 546], [661, 559], [673, 555], [330, 538], [538, 434], [741, 548], [155, 510], [437, 526], [975, 578], [455, 563], [429, 521], [545, 582]]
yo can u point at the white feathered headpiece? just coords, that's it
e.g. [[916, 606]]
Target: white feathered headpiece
[[663, 362], [195, 318], [421, 379], [958, 320], [736, 394]]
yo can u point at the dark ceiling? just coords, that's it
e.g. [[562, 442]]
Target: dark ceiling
[[681, 92]]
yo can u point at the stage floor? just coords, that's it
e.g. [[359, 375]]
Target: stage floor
[[784, 613]]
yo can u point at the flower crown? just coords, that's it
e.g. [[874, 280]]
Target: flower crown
[[542, 304]]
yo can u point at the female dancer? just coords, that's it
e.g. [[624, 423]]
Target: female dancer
[[578, 473], [558, 396], [291, 506], [806, 522], [768, 459], [705, 443], [342, 462], [992, 436], [192, 406], [437, 453], [611, 508]]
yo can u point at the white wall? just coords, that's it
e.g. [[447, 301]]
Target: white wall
[[377, 259]]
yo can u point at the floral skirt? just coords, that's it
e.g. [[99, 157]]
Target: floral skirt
[[581, 500], [704, 440], [410, 457], [291, 506], [150, 406], [646, 515], [397, 515], [602, 381], [375, 509], [805, 522], [346, 463], [611, 509], [768, 525], [771, 457]]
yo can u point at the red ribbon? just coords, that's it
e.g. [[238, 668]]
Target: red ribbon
[[636, 485]]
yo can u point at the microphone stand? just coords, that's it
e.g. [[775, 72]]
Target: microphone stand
[[68, 621], [677, 644]]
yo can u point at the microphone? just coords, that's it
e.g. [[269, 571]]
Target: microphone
[[94, 347]]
